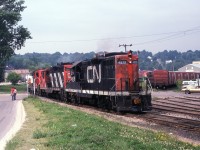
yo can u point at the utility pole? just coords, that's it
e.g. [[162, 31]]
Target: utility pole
[[125, 46]]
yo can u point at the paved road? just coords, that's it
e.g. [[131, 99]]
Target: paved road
[[12, 116]]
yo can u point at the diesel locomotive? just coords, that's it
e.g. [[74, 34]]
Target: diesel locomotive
[[109, 80]]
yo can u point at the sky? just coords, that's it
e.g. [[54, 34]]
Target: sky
[[69, 26]]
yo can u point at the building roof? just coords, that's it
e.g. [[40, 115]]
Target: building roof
[[195, 65], [196, 62], [19, 71]]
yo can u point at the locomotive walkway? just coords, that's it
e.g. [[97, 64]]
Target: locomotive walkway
[[12, 116]]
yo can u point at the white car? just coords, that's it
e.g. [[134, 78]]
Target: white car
[[191, 89]]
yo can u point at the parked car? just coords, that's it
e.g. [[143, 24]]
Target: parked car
[[188, 89]]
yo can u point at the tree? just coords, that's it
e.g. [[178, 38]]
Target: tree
[[12, 35], [13, 78]]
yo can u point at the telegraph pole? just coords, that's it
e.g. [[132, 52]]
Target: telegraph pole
[[124, 45]]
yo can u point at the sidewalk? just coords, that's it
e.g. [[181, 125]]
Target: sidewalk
[[15, 126]]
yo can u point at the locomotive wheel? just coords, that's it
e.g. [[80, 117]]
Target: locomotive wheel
[[62, 96], [101, 103], [48, 95], [108, 104], [58, 97], [65, 98], [68, 98], [75, 100]]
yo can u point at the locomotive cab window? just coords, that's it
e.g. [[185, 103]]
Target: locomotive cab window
[[43, 74], [47, 73]]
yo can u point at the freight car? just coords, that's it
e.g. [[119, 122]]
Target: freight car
[[163, 78], [110, 80]]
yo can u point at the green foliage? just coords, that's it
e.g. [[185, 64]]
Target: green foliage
[[38, 134], [11, 145], [179, 84], [147, 61], [33, 61], [12, 35], [13, 78], [159, 59], [19, 87], [65, 128], [2, 73]]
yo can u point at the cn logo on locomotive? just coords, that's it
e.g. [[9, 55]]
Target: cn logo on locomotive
[[93, 74]]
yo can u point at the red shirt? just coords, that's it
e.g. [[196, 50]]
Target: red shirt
[[12, 90]]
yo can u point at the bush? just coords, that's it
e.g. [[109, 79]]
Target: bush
[[13, 78], [179, 84]]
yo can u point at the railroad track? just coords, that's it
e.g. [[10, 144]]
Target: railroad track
[[183, 105], [178, 112], [176, 122], [191, 98]]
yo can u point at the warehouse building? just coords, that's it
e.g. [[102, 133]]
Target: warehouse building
[[194, 67]]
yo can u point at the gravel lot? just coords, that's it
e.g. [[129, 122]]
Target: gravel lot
[[165, 94]]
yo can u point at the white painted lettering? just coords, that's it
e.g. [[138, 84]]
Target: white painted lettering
[[93, 74]]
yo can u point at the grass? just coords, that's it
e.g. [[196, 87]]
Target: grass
[[50, 126], [20, 88]]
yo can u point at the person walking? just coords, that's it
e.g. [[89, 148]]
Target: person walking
[[12, 92], [15, 93]]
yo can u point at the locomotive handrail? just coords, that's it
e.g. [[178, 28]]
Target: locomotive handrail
[[115, 90], [120, 79], [114, 85]]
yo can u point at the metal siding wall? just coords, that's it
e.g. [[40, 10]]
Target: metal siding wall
[[52, 80], [106, 82], [55, 79], [60, 80]]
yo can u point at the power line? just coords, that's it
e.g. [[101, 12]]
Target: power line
[[171, 35], [174, 36]]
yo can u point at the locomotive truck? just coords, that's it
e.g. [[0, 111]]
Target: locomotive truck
[[109, 80]]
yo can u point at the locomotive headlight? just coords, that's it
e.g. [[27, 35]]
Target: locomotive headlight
[[136, 101]]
